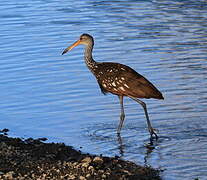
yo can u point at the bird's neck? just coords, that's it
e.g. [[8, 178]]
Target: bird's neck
[[90, 62]]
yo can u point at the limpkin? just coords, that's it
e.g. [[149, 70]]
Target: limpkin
[[118, 79]]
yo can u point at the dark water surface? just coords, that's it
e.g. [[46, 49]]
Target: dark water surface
[[44, 94]]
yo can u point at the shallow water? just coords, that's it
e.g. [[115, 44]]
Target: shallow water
[[44, 94]]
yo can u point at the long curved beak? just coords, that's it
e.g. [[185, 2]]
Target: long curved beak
[[71, 47]]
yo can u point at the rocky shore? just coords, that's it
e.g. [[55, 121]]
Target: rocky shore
[[32, 159]]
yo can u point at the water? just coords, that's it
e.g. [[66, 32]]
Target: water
[[44, 94]]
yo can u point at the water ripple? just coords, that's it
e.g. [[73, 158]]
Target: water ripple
[[46, 94]]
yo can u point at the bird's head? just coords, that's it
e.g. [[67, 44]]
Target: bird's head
[[84, 39]]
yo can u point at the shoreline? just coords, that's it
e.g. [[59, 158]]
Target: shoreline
[[27, 159]]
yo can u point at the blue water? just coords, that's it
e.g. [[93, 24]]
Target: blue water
[[44, 94]]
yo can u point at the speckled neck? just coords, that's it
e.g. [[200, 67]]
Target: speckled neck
[[89, 58]]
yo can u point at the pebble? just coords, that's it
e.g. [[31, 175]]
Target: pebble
[[87, 160], [104, 176], [71, 177], [9, 175], [82, 178], [98, 160], [85, 165], [88, 176], [90, 168]]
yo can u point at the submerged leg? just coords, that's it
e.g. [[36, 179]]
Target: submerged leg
[[122, 115], [151, 130]]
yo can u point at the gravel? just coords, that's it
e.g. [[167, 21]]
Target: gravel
[[31, 159]]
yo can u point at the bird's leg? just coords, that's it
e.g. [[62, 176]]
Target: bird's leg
[[122, 115], [151, 130]]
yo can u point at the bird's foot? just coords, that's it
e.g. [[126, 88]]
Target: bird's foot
[[153, 133]]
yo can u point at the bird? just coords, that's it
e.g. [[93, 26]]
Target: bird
[[120, 80]]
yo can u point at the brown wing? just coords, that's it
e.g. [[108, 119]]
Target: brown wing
[[140, 87], [122, 80]]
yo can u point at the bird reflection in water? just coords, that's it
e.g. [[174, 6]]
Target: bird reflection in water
[[150, 146], [121, 145]]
